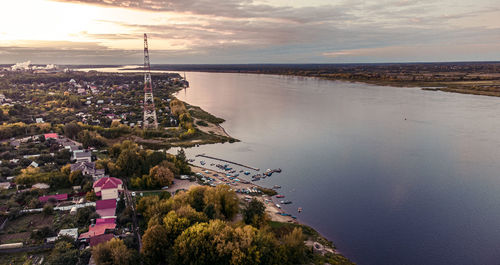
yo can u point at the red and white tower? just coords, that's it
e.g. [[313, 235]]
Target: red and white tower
[[149, 103]]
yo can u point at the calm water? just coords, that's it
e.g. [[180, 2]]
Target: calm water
[[391, 175]]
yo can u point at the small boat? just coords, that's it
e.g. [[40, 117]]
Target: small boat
[[247, 173], [285, 202], [276, 186], [299, 209], [277, 205], [280, 196]]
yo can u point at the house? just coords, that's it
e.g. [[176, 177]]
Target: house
[[39, 120], [98, 230], [82, 156], [40, 186], [88, 168], [58, 197], [72, 232], [5, 185], [51, 136], [106, 208], [96, 240], [33, 164], [108, 187]]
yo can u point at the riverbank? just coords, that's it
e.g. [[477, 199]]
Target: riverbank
[[477, 78], [278, 217]]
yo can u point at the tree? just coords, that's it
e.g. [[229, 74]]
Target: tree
[[113, 252], [155, 244], [129, 162], [224, 200], [63, 253], [254, 213], [71, 130], [48, 209], [160, 177], [76, 177], [91, 196], [293, 246], [181, 162]]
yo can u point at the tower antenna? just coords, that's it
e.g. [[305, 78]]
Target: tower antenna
[[150, 120]]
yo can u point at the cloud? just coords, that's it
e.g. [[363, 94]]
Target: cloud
[[241, 31]]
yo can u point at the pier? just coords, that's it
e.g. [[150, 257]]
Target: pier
[[227, 161]]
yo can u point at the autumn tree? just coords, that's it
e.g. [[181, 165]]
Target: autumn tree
[[224, 201], [113, 252]]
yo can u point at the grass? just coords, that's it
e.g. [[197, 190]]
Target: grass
[[267, 191], [197, 112], [23, 257], [28, 222]]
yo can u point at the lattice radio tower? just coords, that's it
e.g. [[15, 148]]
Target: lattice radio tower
[[149, 104]]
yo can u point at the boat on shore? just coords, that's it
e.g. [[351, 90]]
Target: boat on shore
[[276, 187]]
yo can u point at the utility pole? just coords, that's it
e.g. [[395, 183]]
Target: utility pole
[[150, 120]]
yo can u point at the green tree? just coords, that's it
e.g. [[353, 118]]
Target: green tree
[[76, 177], [71, 130], [48, 209], [129, 163], [63, 253], [254, 213]]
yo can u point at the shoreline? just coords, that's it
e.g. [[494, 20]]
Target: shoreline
[[273, 212]]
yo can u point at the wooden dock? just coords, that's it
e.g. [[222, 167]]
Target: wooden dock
[[227, 161]]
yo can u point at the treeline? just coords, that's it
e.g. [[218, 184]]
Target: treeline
[[144, 169], [196, 227]]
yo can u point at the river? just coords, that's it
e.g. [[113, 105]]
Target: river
[[390, 175]]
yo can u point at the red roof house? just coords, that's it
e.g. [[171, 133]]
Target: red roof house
[[97, 230], [108, 187], [106, 207], [96, 240], [51, 136], [59, 197], [105, 221]]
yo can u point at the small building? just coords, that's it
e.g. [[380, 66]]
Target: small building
[[96, 230], [40, 186], [108, 187], [88, 168], [5, 185], [72, 232], [58, 197], [83, 156], [33, 164], [106, 208], [39, 120], [51, 136]]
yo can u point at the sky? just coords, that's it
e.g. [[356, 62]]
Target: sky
[[248, 31]]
